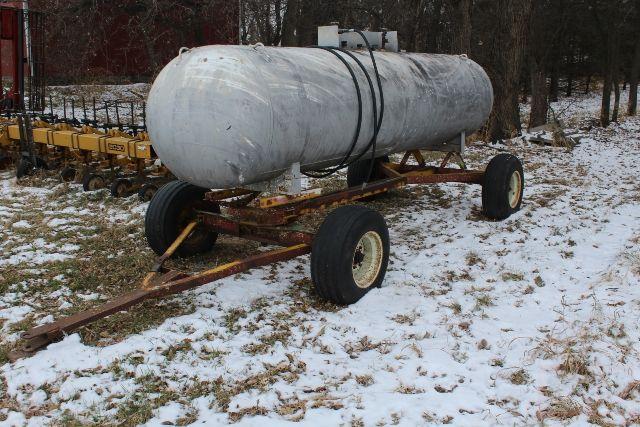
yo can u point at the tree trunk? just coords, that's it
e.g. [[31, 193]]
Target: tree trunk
[[554, 86], [605, 108], [587, 85], [610, 34], [462, 28], [289, 23], [505, 65], [632, 107], [616, 102], [539, 103]]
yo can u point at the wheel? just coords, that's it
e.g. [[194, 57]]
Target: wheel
[[170, 211], [146, 192], [502, 187], [5, 161], [93, 182], [349, 255], [358, 172], [26, 167], [120, 187], [68, 174]]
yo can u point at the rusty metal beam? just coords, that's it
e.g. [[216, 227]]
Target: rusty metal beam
[[274, 235], [351, 194], [446, 175], [282, 215], [41, 336]]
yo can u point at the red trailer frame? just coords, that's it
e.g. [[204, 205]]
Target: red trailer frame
[[17, 26]]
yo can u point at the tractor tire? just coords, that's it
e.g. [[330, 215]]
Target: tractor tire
[[120, 187], [170, 211], [502, 187], [350, 254], [358, 172], [93, 182]]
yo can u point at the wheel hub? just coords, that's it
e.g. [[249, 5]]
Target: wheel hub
[[515, 189], [96, 183], [367, 259]]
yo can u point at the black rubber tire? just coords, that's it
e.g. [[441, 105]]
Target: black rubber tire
[[333, 251], [5, 161], [146, 192], [120, 187], [496, 187], [93, 182], [68, 174], [358, 172], [170, 210]]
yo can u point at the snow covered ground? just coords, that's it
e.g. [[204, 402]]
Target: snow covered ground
[[533, 319]]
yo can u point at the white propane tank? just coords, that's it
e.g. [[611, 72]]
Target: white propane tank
[[230, 116]]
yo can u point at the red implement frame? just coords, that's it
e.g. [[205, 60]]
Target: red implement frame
[[262, 224]]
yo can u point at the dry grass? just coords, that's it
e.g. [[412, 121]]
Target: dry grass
[[560, 409]]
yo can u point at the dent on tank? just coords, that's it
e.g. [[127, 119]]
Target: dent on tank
[[230, 116]]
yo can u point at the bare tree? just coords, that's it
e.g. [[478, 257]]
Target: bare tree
[[634, 72], [503, 54]]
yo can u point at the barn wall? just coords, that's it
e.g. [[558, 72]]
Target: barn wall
[[121, 40]]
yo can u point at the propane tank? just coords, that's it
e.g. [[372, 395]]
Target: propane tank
[[230, 116]]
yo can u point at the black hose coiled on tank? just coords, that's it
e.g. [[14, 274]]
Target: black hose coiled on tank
[[377, 119]]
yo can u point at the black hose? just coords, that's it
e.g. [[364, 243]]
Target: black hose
[[323, 173], [377, 120], [379, 124]]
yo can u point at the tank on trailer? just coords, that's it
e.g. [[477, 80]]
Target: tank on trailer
[[231, 116]]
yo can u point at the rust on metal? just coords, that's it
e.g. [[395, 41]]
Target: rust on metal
[[274, 235], [286, 199], [447, 175], [216, 196], [351, 194], [445, 161], [416, 154], [41, 336], [175, 245]]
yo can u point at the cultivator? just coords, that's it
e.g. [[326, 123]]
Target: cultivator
[[83, 148], [349, 251]]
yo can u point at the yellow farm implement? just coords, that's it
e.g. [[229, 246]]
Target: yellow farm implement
[[124, 162]]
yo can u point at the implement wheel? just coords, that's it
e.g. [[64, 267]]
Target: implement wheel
[[5, 161], [146, 192], [26, 167], [349, 255], [68, 174], [120, 187], [171, 209], [358, 172], [93, 182], [502, 187]]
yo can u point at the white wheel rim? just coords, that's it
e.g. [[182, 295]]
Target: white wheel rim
[[367, 260], [515, 189]]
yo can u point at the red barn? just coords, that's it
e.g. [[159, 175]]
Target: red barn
[[6, 44], [116, 39]]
